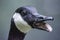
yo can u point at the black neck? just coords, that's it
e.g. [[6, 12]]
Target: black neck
[[14, 33]]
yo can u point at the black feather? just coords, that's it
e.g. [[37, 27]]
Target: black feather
[[14, 33]]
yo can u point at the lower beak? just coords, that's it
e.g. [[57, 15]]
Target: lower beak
[[44, 26], [48, 27]]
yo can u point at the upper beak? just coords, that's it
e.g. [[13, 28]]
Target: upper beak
[[48, 18], [44, 18]]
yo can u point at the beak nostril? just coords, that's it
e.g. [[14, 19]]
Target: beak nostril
[[40, 17]]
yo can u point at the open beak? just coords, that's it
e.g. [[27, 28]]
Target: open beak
[[40, 23]]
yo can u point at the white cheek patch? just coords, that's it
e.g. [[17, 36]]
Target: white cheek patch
[[21, 24], [49, 28]]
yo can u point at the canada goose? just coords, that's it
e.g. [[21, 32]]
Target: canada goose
[[25, 19]]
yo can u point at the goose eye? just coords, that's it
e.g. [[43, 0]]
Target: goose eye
[[24, 12]]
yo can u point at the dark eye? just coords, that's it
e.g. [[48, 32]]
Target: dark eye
[[23, 12]]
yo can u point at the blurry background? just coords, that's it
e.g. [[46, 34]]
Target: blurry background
[[45, 7]]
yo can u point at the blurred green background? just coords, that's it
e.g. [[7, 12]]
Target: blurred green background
[[45, 7]]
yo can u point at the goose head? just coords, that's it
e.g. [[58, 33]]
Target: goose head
[[27, 18]]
